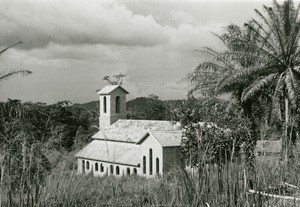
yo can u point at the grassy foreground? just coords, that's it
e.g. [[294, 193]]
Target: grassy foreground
[[209, 186]]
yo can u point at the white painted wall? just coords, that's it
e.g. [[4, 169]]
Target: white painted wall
[[110, 117], [157, 152], [106, 168]]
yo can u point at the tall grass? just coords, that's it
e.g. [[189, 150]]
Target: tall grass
[[211, 185], [226, 184]]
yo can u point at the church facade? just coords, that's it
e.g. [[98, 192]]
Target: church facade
[[129, 147]]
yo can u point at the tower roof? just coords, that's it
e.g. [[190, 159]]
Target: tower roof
[[108, 89]]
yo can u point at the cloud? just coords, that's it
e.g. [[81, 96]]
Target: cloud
[[38, 24], [183, 17], [187, 37]]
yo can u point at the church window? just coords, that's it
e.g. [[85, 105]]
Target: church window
[[128, 171], [134, 171], [104, 104], [150, 162], [87, 165], [144, 165], [157, 165], [83, 164], [96, 166], [111, 169], [118, 104], [101, 167], [117, 170]]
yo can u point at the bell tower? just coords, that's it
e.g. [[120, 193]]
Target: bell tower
[[112, 105]]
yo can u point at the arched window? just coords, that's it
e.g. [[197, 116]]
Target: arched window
[[134, 171], [101, 167], [144, 165], [83, 165], [118, 104], [157, 165], [96, 166], [111, 169], [117, 170], [87, 165], [150, 162], [128, 171], [104, 104]]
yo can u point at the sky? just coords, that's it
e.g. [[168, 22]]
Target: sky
[[71, 45]]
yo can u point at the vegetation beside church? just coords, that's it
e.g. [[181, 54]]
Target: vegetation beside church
[[260, 68], [212, 125]]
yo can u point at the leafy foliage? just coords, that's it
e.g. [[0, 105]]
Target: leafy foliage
[[212, 131], [28, 130]]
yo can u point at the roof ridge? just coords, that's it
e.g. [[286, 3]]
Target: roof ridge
[[110, 88], [143, 120]]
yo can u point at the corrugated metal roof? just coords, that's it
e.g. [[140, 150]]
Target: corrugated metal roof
[[168, 138], [108, 89], [133, 130], [114, 152]]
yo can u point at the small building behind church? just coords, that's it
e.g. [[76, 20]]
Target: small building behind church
[[126, 147]]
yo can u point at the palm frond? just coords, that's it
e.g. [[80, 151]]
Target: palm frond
[[262, 50], [222, 38], [265, 39], [277, 23], [205, 76], [217, 57], [266, 20], [257, 86], [9, 74], [245, 73], [10, 46]]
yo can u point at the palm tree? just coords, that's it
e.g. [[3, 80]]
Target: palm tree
[[277, 40], [210, 76], [275, 47], [9, 74], [275, 72]]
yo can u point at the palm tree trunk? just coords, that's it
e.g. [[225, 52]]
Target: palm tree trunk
[[286, 141], [1, 181], [247, 107]]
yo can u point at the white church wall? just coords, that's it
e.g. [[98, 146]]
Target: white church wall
[[104, 118], [110, 116], [98, 168], [151, 143], [118, 92], [79, 166]]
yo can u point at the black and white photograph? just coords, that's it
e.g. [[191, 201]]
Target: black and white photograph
[[155, 103]]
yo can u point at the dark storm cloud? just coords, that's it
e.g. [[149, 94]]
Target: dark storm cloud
[[72, 22]]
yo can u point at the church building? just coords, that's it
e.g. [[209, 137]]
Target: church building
[[129, 147]]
